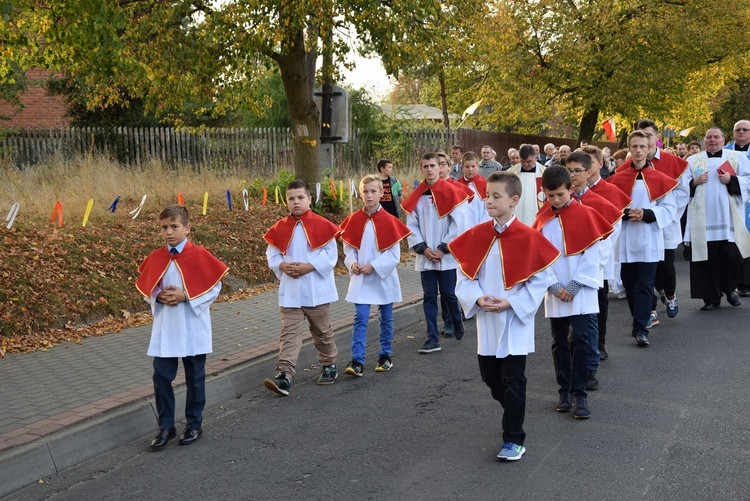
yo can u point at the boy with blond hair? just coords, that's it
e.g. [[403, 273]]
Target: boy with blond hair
[[371, 244]]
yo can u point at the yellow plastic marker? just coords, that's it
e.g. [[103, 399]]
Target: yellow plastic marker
[[88, 212]]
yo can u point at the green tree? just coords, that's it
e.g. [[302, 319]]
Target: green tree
[[206, 55], [735, 105], [618, 57]]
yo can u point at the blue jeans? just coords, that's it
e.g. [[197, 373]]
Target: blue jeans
[[165, 370], [359, 334], [447, 321], [446, 282]]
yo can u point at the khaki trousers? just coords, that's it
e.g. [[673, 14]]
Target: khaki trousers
[[290, 340]]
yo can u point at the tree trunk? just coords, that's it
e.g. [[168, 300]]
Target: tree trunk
[[302, 110], [444, 104], [589, 121]]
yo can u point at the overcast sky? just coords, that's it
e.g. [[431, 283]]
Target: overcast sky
[[369, 73]]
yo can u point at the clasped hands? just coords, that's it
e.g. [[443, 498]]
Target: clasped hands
[[296, 270], [493, 304], [434, 255], [364, 270], [171, 295]]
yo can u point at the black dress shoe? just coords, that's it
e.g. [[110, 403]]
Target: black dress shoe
[[190, 436], [164, 436], [733, 299], [603, 353], [710, 304]]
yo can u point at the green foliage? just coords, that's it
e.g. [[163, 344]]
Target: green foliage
[[329, 203], [274, 112], [735, 105], [281, 182]]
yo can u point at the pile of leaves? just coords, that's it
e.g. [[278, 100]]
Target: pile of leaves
[[64, 284]]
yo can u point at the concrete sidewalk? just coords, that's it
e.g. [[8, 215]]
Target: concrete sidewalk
[[74, 401]]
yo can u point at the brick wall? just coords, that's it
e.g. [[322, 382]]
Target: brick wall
[[40, 109]]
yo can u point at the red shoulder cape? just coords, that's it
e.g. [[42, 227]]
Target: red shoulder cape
[[199, 269], [601, 205], [446, 196], [657, 183], [479, 181], [318, 230], [389, 230], [671, 165], [581, 226], [612, 193], [523, 251]]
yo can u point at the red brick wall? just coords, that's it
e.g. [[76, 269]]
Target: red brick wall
[[40, 109]]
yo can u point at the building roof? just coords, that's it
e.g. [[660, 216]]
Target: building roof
[[415, 112]]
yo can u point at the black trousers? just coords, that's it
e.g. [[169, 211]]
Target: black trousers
[[638, 281], [570, 351], [165, 370], [603, 313], [666, 276], [718, 275], [744, 281], [507, 381]]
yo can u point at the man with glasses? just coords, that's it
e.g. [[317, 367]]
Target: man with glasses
[[741, 143], [513, 159], [564, 154], [719, 183]]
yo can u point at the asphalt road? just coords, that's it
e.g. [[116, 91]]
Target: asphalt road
[[669, 422]]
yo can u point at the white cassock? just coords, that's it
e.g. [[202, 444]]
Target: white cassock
[[720, 210], [610, 268], [381, 286], [529, 203], [427, 227], [584, 268], [644, 242], [477, 208], [673, 232], [183, 330], [509, 332], [314, 288]]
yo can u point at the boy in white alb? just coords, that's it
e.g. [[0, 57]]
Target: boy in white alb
[[302, 252], [437, 213], [641, 242], [477, 184], [571, 301], [504, 274], [371, 244], [179, 281]]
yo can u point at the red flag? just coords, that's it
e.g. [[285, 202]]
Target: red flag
[[609, 128]]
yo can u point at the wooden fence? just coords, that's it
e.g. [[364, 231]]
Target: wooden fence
[[262, 151]]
